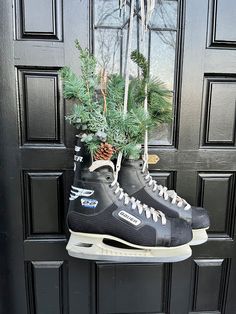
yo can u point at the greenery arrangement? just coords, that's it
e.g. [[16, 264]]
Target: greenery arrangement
[[98, 109]]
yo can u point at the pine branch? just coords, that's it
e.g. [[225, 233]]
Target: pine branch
[[159, 101], [115, 91], [138, 58]]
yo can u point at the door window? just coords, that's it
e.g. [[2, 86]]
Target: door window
[[109, 36]]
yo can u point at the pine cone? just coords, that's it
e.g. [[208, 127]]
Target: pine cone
[[104, 152]]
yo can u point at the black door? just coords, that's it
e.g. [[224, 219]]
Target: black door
[[191, 45]]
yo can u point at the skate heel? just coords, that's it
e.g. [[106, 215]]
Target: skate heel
[[199, 236], [95, 247]]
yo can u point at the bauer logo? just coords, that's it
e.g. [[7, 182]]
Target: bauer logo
[[89, 202], [78, 158], [130, 218]]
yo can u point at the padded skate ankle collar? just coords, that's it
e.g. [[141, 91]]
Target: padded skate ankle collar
[[101, 163], [102, 174], [138, 163]]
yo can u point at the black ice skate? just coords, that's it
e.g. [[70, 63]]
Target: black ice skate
[[137, 182], [106, 224]]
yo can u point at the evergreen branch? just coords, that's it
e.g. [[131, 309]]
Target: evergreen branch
[[138, 58], [159, 101], [72, 86], [103, 83], [115, 91], [88, 67]]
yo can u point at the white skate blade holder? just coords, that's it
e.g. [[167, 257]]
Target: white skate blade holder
[[199, 236], [92, 247]]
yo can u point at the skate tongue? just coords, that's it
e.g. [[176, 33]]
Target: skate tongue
[[101, 163]]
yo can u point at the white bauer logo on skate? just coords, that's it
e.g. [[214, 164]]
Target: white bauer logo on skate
[[76, 192], [78, 158], [130, 218], [77, 148]]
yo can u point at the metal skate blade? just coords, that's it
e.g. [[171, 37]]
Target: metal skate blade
[[93, 247], [199, 236]]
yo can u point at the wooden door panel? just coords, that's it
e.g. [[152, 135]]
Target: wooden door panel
[[44, 204], [217, 195], [210, 277], [40, 105], [40, 20], [219, 111], [44, 279], [222, 17], [198, 159], [129, 288]]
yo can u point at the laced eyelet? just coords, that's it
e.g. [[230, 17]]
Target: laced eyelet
[[166, 194], [124, 198]]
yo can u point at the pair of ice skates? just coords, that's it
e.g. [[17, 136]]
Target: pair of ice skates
[[109, 223]]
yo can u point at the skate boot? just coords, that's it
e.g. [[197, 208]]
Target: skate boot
[[137, 182], [106, 224]]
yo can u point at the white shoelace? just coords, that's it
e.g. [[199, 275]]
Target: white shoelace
[[165, 193], [136, 204]]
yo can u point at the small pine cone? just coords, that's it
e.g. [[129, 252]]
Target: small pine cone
[[104, 152]]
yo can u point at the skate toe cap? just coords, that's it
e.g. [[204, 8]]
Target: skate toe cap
[[200, 218], [181, 232]]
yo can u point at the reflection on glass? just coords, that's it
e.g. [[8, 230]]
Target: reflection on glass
[[107, 49], [162, 56], [107, 13], [162, 135], [164, 14]]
